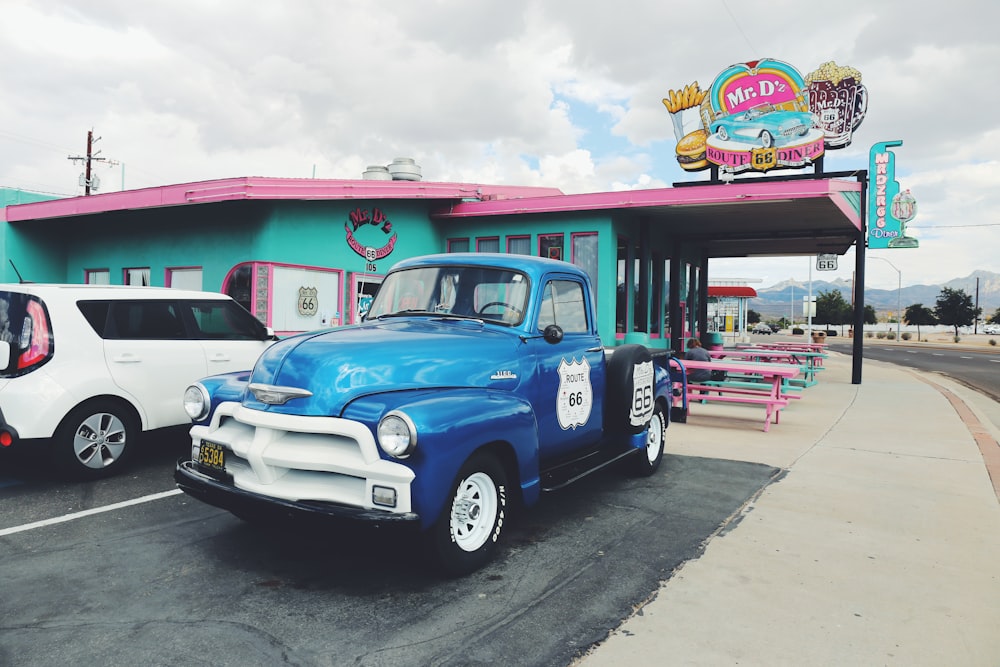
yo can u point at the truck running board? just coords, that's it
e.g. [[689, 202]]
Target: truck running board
[[567, 473]]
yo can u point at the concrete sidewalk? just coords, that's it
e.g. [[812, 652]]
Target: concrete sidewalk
[[880, 545]]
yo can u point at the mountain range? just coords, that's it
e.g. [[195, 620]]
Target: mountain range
[[782, 299]]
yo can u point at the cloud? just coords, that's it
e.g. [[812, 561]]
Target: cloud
[[556, 93]]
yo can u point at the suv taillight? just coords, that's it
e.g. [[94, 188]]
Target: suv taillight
[[35, 339]]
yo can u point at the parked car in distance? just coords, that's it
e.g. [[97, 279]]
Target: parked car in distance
[[991, 329], [85, 369], [764, 124], [762, 328]]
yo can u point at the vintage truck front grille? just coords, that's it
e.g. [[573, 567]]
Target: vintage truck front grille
[[304, 458]]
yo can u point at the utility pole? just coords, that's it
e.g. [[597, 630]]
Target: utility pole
[[88, 179]]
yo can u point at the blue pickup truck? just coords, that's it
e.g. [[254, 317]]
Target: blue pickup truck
[[474, 383]]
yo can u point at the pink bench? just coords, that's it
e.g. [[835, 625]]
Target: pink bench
[[771, 393]]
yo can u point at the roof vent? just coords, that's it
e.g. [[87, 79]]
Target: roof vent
[[404, 169], [377, 172]]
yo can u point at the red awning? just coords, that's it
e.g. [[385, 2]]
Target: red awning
[[732, 290]]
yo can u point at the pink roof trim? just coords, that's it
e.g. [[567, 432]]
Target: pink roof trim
[[267, 189], [727, 193]]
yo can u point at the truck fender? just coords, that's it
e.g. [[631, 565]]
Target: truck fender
[[451, 425]]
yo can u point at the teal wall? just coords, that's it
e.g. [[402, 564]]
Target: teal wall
[[219, 236], [314, 234], [32, 254]]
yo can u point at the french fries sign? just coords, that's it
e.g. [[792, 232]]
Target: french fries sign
[[764, 114]]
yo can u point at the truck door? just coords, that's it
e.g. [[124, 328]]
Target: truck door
[[568, 387]]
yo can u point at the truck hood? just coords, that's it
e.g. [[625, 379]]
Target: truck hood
[[341, 365]]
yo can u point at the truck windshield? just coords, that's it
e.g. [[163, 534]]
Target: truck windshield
[[485, 293]]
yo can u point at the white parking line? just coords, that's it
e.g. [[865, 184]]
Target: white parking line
[[965, 357], [96, 510]]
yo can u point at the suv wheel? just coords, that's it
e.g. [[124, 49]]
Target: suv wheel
[[94, 439]]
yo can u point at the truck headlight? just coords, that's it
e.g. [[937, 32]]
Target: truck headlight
[[196, 402], [397, 436]]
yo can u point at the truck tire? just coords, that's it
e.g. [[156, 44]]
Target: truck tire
[[94, 439], [465, 536], [646, 462], [621, 391]]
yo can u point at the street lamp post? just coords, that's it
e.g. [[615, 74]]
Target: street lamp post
[[899, 296]]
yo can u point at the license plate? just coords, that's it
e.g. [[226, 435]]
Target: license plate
[[212, 456]]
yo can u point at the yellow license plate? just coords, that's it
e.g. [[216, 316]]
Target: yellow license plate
[[212, 455]]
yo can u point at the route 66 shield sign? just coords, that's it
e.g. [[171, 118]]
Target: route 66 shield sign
[[763, 159], [308, 302], [575, 395]]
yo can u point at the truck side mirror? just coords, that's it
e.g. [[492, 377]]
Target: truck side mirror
[[553, 334]]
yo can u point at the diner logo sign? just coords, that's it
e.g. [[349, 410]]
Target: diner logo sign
[[889, 209], [764, 114]]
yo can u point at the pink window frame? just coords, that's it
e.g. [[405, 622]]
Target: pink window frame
[[560, 236], [518, 237], [168, 276], [479, 240]]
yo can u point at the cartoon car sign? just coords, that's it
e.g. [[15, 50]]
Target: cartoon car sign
[[765, 124]]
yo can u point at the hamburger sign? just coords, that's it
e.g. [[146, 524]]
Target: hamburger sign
[[763, 115]]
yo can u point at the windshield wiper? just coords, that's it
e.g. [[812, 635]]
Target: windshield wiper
[[405, 313]]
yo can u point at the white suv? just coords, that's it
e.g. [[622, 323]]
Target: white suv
[[85, 368]]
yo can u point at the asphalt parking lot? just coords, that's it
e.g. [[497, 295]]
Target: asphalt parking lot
[[170, 581]]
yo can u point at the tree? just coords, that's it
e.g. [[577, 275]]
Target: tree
[[995, 318], [832, 308], [955, 309], [753, 317], [919, 314]]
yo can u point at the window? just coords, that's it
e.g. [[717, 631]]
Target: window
[[551, 246], [237, 285], [563, 305], [458, 245], [140, 320], [137, 276], [186, 278], [519, 245], [97, 277], [585, 254], [491, 244], [223, 320]]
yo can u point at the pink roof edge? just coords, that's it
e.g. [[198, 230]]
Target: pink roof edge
[[470, 199], [266, 188]]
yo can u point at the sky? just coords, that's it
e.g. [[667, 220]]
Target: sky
[[555, 93]]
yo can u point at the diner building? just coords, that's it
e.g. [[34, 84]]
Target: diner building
[[303, 254]]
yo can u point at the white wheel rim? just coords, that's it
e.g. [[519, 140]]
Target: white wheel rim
[[99, 440], [654, 439], [474, 511]]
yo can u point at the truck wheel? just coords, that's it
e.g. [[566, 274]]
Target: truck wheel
[[93, 439], [465, 536], [620, 391], [645, 463]]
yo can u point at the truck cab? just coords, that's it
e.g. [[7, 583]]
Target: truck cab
[[475, 381]]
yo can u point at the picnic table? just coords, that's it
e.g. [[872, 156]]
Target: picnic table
[[811, 362], [767, 389]]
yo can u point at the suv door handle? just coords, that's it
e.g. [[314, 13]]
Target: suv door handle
[[219, 357], [126, 358]]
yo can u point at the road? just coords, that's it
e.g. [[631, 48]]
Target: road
[[978, 368], [128, 571]]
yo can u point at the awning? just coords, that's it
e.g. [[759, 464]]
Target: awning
[[732, 290]]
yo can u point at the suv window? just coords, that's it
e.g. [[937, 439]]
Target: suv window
[[134, 320], [224, 320]]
